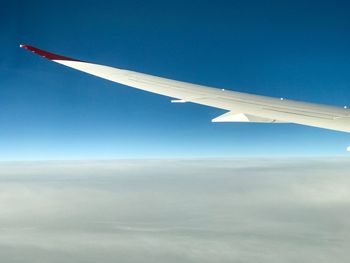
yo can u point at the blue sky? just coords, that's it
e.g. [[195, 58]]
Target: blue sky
[[294, 49]]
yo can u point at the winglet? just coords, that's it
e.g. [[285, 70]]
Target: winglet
[[46, 54]]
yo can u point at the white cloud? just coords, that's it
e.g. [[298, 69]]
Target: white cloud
[[213, 210]]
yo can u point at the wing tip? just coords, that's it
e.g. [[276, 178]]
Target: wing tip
[[45, 54]]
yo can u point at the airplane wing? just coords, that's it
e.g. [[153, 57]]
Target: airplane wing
[[240, 107]]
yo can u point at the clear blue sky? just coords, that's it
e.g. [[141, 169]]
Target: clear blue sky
[[294, 49]]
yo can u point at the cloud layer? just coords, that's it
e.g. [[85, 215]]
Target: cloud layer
[[212, 210]]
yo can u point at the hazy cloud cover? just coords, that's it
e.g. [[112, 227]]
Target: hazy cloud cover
[[207, 210]]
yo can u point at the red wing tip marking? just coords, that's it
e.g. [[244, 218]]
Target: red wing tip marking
[[45, 54]]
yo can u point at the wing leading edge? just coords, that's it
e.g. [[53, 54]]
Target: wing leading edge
[[241, 107]]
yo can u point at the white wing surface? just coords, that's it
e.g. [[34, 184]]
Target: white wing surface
[[241, 107]]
